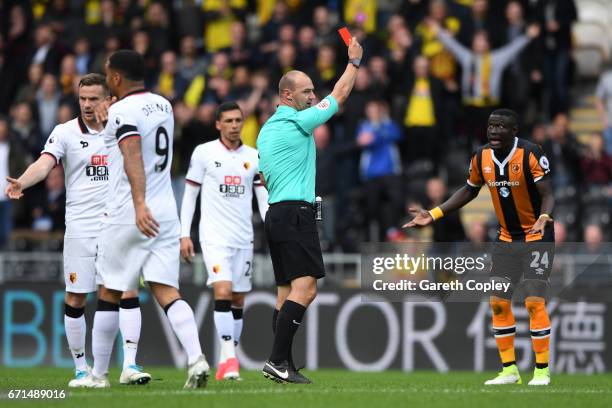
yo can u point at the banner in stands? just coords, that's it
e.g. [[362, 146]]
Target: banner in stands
[[339, 331]]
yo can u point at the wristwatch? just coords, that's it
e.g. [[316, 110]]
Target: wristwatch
[[355, 61]]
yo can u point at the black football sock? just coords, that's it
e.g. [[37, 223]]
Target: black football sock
[[288, 321]]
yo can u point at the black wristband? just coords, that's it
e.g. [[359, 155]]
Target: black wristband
[[355, 62]]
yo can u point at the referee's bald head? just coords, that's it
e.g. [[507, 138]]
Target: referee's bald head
[[289, 80], [295, 89]]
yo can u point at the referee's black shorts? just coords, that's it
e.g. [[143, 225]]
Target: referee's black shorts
[[291, 231]]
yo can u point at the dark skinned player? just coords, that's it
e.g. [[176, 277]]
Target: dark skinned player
[[517, 174]]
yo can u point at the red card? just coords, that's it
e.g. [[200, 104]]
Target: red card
[[346, 36]]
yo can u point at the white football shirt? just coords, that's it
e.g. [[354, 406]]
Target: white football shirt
[[227, 178], [85, 159], [148, 116]]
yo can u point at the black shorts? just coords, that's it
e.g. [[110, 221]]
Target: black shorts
[[518, 261], [291, 231]]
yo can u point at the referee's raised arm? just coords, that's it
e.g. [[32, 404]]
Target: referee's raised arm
[[344, 86]]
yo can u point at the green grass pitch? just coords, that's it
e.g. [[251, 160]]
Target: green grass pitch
[[331, 388]]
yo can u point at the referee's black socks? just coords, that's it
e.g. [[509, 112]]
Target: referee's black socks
[[288, 321]]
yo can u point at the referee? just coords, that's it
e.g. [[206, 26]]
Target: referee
[[287, 164]]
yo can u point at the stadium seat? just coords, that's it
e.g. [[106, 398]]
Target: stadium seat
[[594, 11], [589, 62], [590, 34]]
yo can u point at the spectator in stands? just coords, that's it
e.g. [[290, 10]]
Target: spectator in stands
[[307, 48], [26, 131], [157, 25], [481, 19], [44, 51], [560, 232], [380, 166], [241, 51], [325, 73], [84, 56], [67, 75], [482, 73], [47, 103], [477, 232], [102, 23], [422, 115], [558, 16], [12, 161], [361, 14], [170, 83], [326, 180], [524, 75], [450, 228], [50, 207], [564, 152], [141, 43], [323, 26], [111, 44], [190, 63], [596, 164], [218, 19], [27, 92], [603, 102]]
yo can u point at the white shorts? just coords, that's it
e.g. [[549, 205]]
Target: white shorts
[[124, 253], [229, 264], [80, 265]]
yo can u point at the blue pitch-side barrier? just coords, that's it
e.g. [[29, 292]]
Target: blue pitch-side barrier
[[339, 331]]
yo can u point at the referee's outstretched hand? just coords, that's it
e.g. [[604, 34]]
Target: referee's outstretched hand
[[421, 218]]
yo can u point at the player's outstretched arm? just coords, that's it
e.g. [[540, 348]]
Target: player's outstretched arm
[[261, 193], [134, 168], [460, 198], [544, 187], [344, 86], [34, 174], [188, 205]]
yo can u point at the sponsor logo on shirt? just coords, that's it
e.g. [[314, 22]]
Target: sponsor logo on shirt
[[97, 168], [503, 183], [232, 186]]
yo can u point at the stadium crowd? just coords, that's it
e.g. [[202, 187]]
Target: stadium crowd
[[432, 72]]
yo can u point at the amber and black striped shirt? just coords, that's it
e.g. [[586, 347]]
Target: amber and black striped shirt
[[511, 183]]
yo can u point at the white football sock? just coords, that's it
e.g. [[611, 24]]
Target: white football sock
[[183, 323], [237, 330], [105, 328], [76, 329], [130, 321], [224, 322]]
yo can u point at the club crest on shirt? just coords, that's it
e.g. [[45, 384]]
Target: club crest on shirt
[[246, 165], [516, 168], [216, 268], [72, 277]]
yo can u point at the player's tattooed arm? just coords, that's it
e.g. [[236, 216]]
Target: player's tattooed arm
[[134, 168], [460, 198], [548, 204]]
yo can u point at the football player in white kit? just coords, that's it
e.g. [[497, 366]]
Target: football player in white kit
[[78, 145], [140, 228], [227, 172]]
